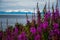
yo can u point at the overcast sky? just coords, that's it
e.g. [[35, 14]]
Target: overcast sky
[[6, 5]]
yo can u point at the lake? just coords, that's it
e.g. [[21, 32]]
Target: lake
[[14, 17]]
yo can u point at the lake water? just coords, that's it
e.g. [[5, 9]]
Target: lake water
[[13, 18]]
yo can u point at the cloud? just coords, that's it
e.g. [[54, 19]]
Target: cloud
[[23, 10], [23, 4], [20, 10]]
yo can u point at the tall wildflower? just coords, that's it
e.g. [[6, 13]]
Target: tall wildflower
[[33, 19], [53, 14], [38, 15], [15, 33], [27, 18], [37, 37], [44, 10], [22, 36], [57, 10], [1, 35], [47, 16], [15, 30], [45, 25], [39, 28], [51, 33], [28, 22], [33, 30], [55, 25]]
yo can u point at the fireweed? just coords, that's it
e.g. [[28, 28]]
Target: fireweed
[[1, 33], [45, 24], [40, 30], [33, 30], [47, 16], [22, 36], [55, 25], [37, 37]]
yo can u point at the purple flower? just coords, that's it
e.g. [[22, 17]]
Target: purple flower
[[57, 12], [16, 31], [33, 30], [41, 25], [22, 36], [55, 25], [51, 33], [56, 31], [39, 29], [1, 34], [47, 16], [45, 24], [56, 16], [37, 37], [8, 37], [59, 32], [8, 31]]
